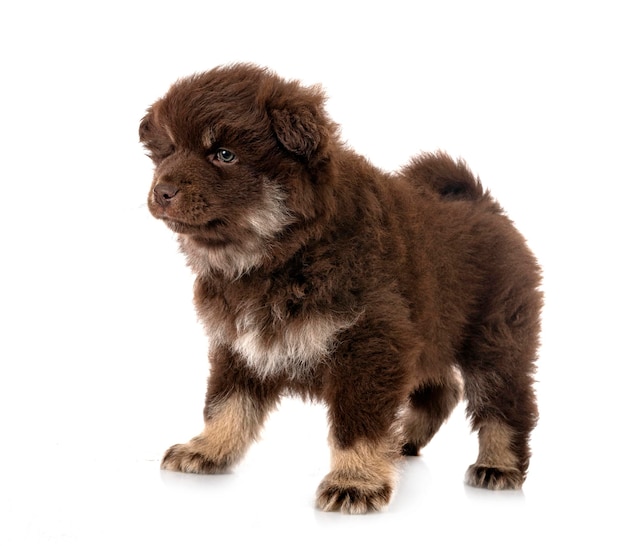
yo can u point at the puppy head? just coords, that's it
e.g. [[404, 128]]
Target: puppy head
[[241, 156]]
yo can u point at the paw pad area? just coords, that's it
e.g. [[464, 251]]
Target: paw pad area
[[352, 500], [493, 478], [183, 458]]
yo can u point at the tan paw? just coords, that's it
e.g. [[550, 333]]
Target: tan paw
[[336, 494], [494, 478], [189, 458]]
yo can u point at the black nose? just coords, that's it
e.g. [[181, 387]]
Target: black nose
[[164, 193]]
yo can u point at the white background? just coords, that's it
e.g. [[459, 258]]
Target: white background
[[103, 364]]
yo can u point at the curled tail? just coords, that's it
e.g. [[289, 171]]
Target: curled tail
[[451, 180]]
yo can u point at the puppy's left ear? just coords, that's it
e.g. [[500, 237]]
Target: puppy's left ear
[[145, 126], [299, 130]]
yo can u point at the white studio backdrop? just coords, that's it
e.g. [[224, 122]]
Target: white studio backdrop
[[103, 364]]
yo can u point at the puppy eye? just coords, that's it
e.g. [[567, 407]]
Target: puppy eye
[[225, 156]]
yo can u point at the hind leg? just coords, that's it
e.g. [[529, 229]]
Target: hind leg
[[429, 406], [502, 407], [502, 458]]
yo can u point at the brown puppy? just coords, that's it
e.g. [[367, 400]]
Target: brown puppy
[[320, 275]]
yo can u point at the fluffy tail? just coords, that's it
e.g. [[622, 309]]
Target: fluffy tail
[[451, 180]]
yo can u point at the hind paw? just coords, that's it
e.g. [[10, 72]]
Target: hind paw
[[494, 478]]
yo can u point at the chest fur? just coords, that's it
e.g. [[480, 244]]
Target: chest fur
[[268, 334]]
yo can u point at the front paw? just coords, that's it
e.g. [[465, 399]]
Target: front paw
[[337, 494], [189, 458], [494, 478]]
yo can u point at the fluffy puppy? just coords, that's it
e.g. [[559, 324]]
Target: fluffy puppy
[[387, 297]]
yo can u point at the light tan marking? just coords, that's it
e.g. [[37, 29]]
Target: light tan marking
[[294, 349], [208, 138], [371, 465], [169, 132], [273, 215], [497, 467], [261, 225], [362, 478], [233, 426], [233, 260], [495, 446]]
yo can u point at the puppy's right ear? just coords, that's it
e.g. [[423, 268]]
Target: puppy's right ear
[[298, 130]]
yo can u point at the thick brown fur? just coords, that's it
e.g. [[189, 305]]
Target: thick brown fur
[[386, 296]]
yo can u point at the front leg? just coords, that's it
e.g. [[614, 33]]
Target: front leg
[[231, 427], [368, 386], [235, 409]]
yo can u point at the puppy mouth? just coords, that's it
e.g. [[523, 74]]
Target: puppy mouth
[[206, 229]]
